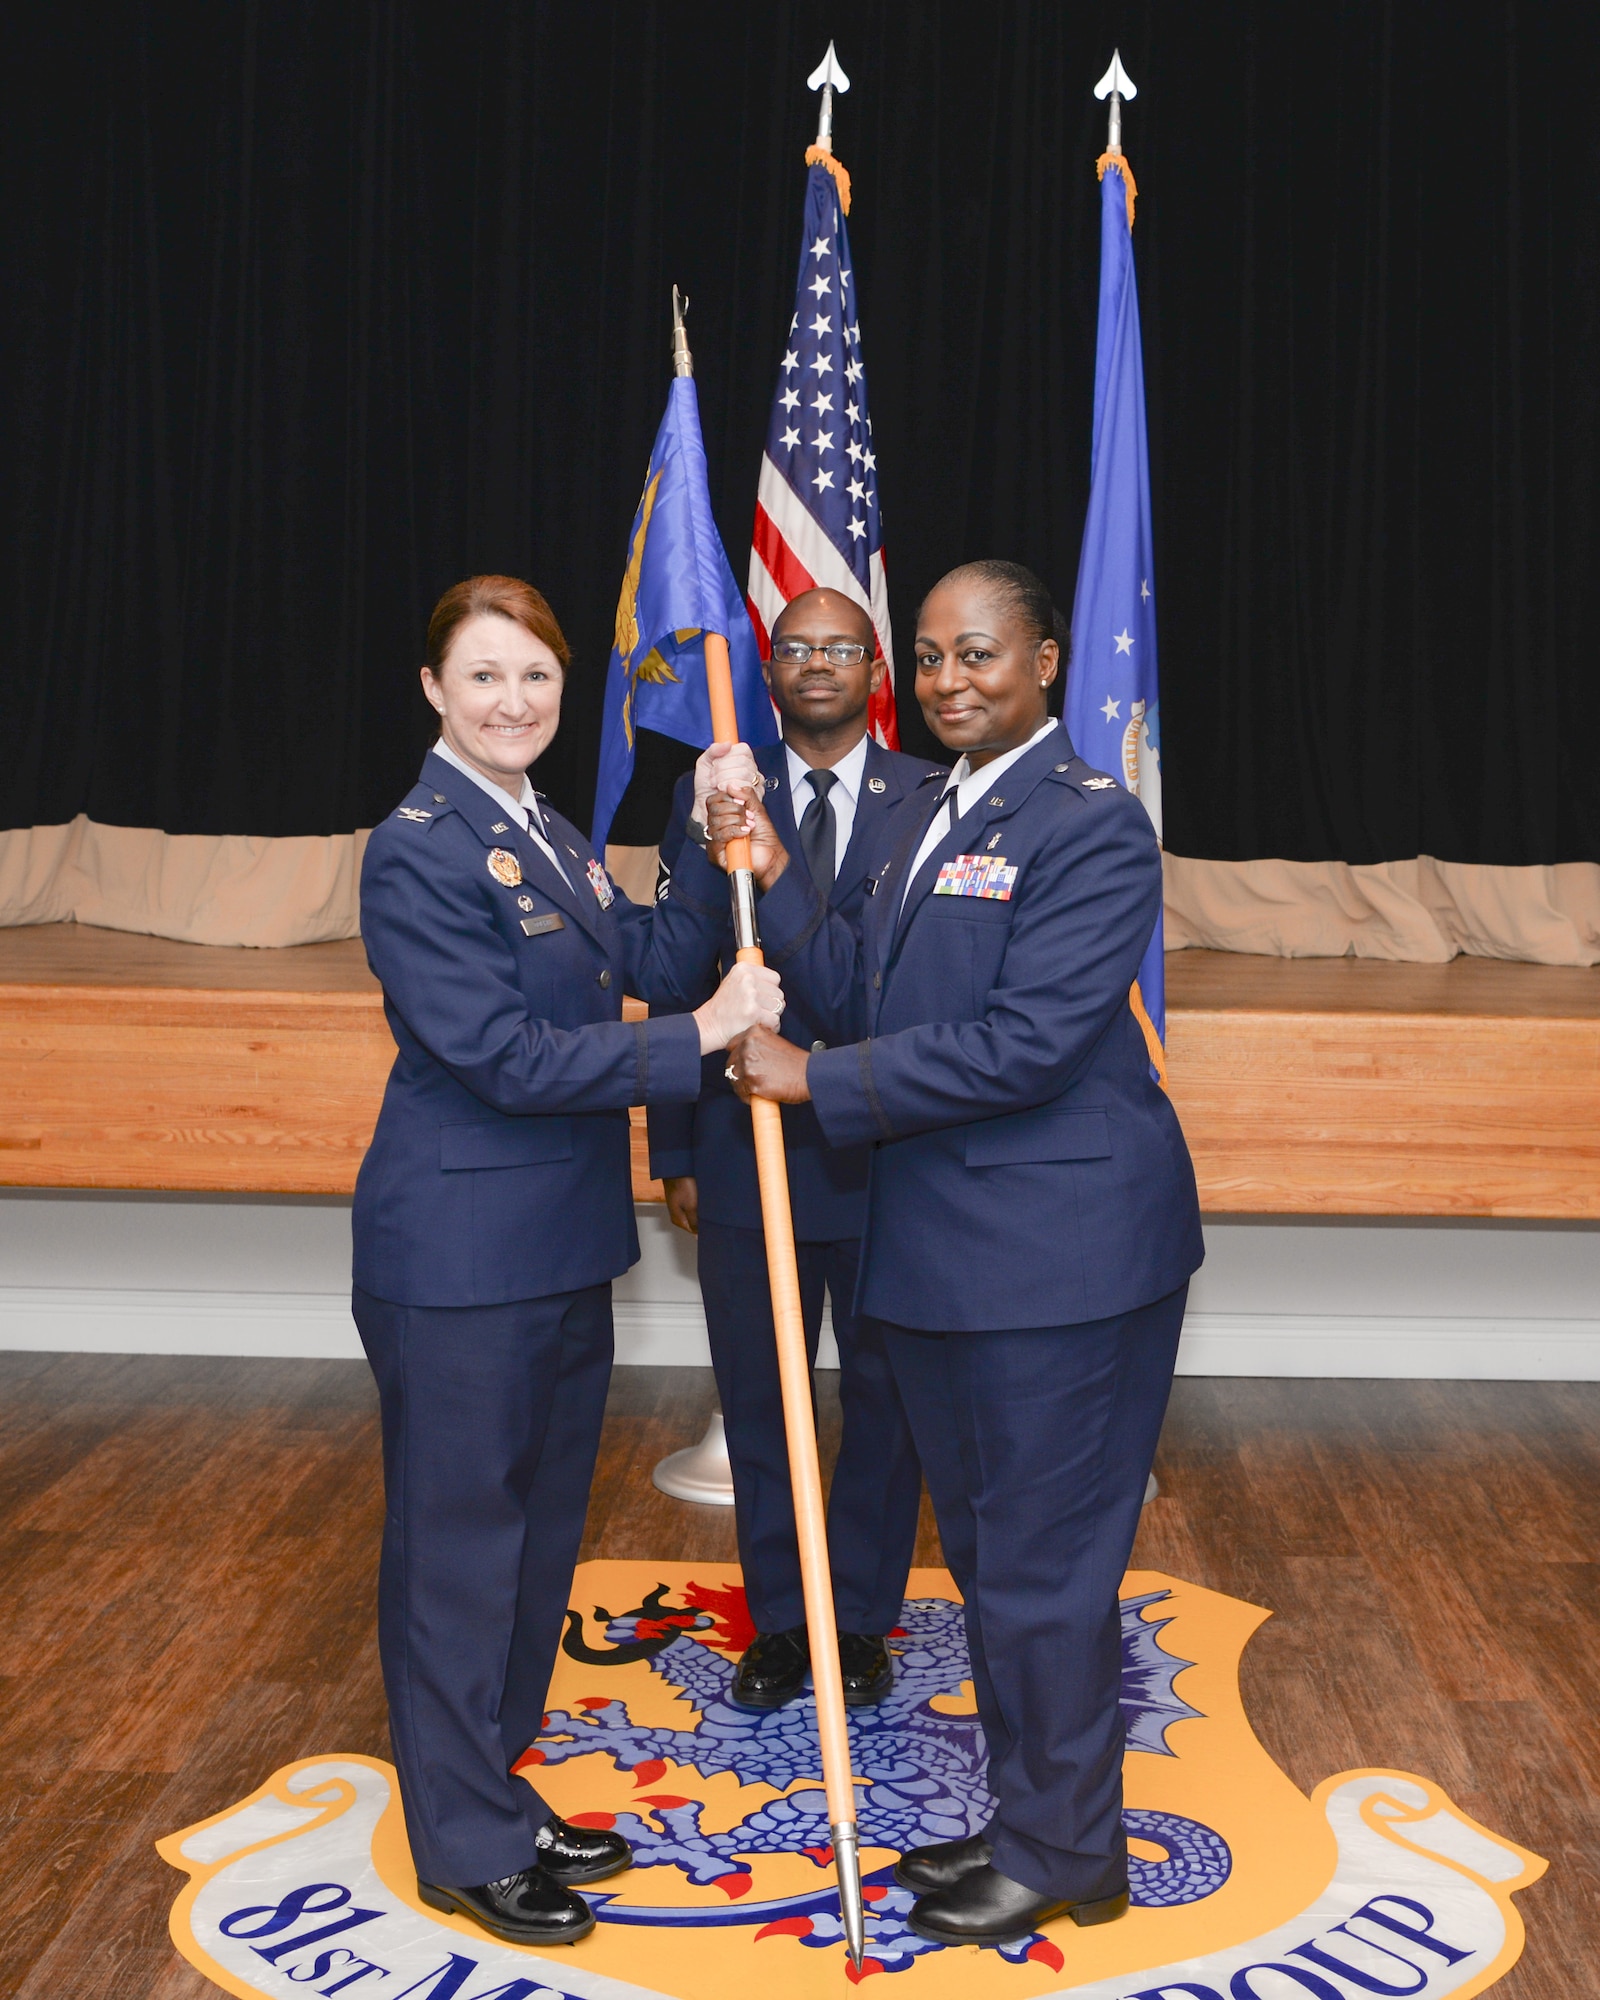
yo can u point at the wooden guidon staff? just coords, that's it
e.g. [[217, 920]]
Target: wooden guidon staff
[[794, 1367]]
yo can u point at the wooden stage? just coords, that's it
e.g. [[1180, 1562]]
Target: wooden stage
[[1306, 1086]]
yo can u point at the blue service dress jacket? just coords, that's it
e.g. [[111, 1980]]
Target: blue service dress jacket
[[1027, 1170], [499, 1169], [712, 1139]]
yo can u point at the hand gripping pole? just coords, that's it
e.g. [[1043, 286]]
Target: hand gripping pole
[[794, 1371]]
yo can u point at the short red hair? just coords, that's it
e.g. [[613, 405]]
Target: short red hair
[[504, 597]]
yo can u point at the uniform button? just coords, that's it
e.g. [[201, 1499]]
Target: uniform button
[[818, 1047], [438, 798], [877, 982], [605, 977]]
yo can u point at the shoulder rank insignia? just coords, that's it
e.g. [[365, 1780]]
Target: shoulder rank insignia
[[600, 883], [505, 867], [987, 875], [412, 812], [1098, 784]]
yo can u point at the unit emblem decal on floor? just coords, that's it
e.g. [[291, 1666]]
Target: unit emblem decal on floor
[[1242, 1887]]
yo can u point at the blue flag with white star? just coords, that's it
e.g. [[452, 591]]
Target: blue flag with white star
[[1113, 708], [676, 588]]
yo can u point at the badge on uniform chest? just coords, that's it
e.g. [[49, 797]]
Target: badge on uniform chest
[[600, 883], [505, 867], [986, 875]]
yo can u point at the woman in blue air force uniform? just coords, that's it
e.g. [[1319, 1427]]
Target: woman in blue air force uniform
[[491, 1214], [1031, 1225]]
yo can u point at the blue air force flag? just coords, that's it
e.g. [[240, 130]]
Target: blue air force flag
[[1113, 709], [677, 587]]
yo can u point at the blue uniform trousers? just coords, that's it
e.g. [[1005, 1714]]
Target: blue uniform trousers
[[491, 1423], [1036, 1445], [877, 1482]]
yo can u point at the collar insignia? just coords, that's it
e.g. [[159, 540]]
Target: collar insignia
[[499, 827], [876, 785]]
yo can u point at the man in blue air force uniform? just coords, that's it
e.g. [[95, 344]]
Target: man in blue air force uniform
[[831, 793]]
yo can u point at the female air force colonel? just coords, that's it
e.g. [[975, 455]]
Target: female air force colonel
[[491, 1214], [1031, 1224]]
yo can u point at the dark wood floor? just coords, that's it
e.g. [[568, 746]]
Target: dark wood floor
[[186, 1557]]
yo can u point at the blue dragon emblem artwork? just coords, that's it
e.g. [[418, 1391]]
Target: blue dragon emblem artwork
[[923, 1770]]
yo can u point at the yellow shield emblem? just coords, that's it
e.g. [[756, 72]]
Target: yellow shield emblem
[[1242, 1887]]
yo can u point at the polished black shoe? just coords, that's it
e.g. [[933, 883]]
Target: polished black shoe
[[773, 1669], [986, 1907], [941, 1866], [866, 1667], [572, 1855], [528, 1908]]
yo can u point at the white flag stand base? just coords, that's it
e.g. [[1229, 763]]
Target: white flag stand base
[[700, 1472]]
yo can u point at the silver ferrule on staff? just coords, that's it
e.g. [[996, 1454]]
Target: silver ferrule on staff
[[847, 1864], [742, 895], [682, 359]]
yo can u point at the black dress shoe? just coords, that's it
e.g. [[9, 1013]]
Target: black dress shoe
[[986, 1907], [529, 1908], [773, 1669], [942, 1865], [574, 1854], [866, 1667]]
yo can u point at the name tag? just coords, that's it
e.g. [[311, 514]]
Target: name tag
[[986, 875], [537, 926]]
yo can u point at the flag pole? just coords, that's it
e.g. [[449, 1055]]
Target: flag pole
[[794, 1367]]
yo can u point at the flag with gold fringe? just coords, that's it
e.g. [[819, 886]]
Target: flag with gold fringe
[[1113, 705]]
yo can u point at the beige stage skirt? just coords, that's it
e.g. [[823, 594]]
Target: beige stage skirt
[[238, 890]]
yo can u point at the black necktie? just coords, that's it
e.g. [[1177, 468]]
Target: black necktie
[[819, 831]]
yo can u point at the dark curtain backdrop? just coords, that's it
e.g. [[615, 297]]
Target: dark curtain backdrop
[[310, 308]]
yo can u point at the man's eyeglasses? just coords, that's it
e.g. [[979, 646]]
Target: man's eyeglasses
[[838, 652]]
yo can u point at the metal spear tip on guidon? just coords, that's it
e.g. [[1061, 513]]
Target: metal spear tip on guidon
[[827, 77], [1117, 85]]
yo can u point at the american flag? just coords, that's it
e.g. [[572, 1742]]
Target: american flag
[[817, 514]]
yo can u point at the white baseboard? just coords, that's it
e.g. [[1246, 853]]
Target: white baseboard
[[1391, 1347], [671, 1333], [285, 1326]]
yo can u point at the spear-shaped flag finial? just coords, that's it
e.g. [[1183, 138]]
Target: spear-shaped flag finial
[[1117, 85], [827, 77]]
